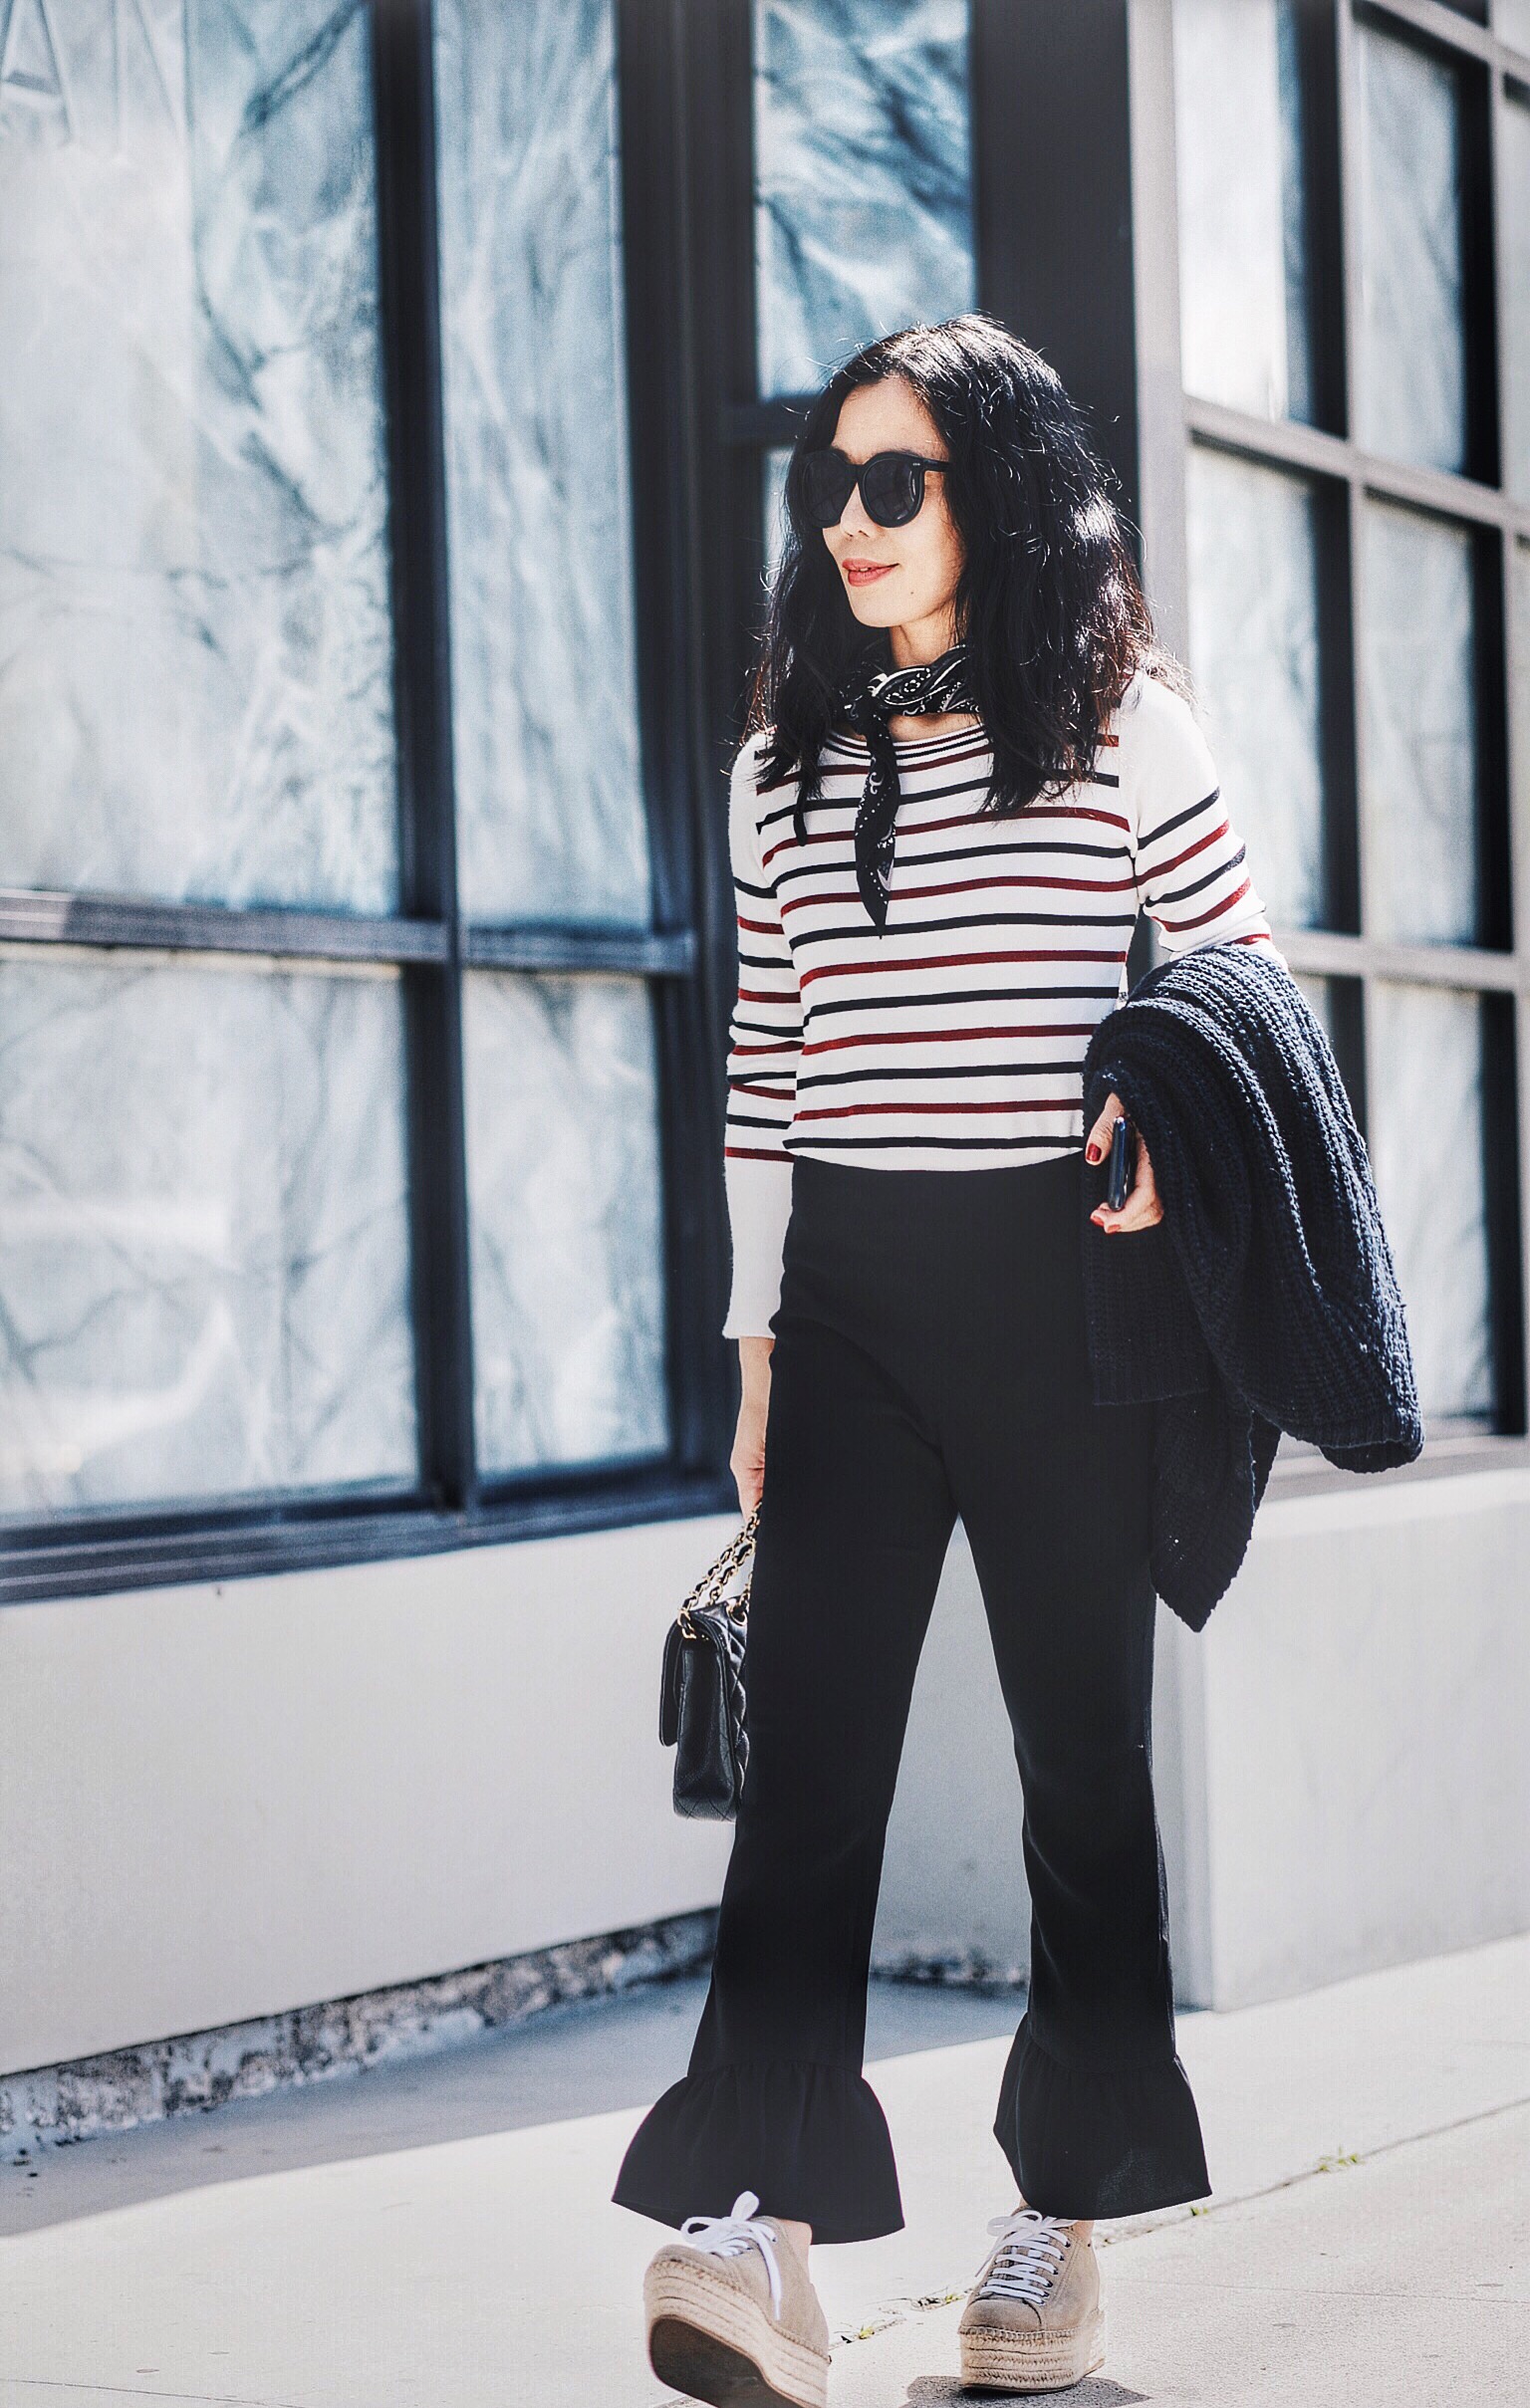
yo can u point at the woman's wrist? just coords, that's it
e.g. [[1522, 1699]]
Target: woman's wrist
[[754, 1360]]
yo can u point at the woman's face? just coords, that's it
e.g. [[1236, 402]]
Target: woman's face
[[896, 577]]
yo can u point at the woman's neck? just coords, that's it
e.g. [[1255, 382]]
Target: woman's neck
[[907, 727]]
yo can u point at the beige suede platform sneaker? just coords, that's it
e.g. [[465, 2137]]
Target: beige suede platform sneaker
[[733, 2316], [1033, 2321]]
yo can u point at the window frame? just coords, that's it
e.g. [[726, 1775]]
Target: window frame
[[684, 957], [1347, 476], [1099, 189], [1075, 225]]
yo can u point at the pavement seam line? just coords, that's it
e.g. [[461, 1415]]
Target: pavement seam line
[[905, 2312], [135, 2391]]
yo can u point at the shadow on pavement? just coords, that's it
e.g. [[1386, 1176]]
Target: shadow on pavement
[[597, 2056], [935, 2390]]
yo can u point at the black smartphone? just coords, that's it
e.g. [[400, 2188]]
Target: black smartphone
[[1118, 1175]]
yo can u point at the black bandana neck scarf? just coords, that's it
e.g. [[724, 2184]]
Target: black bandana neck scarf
[[871, 697]]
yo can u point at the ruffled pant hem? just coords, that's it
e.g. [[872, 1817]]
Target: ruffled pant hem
[[1108, 2140], [810, 2140]]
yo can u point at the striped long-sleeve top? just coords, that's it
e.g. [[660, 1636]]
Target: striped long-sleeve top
[[956, 1039]]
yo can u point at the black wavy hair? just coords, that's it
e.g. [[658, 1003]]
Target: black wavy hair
[[1048, 599]]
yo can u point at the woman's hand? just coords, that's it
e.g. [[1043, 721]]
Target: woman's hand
[[1142, 1206], [747, 1461]]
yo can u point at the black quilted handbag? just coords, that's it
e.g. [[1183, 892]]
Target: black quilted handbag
[[701, 1688]]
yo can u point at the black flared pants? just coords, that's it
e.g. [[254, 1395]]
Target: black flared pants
[[930, 1361]]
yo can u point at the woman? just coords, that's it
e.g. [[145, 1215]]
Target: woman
[[971, 764]]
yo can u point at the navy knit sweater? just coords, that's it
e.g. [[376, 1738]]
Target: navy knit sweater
[[1266, 1299]]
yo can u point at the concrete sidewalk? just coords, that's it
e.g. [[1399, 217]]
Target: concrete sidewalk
[[440, 2235]]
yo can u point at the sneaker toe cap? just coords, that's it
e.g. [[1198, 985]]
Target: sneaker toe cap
[[1000, 2315]]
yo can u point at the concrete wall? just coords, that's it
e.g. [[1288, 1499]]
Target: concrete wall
[[218, 1802], [1351, 1759], [1342, 1770]]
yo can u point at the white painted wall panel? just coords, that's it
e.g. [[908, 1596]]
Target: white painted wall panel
[[217, 1803]]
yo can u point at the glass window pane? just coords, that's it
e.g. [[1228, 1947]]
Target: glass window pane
[[1319, 995], [195, 682], [1412, 333], [1519, 659], [203, 1240], [1421, 750], [1254, 652], [550, 822], [863, 178], [565, 1194], [1511, 22], [773, 485], [1514, 225], [1238, 141], [1426, 1087]]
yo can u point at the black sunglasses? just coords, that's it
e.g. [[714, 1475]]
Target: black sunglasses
[[892, 485]]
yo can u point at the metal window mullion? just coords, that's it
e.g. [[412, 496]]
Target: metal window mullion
[[1352, 316], [633, 952], [409, 281], [1518, 1115], [1466, 501], [1332, 953], [1516, 731], [1436, 22], [1163, 409], [1516, 627], [687, 207], [1484, 299], [1278, 442], [108, 923], [1308, 450]]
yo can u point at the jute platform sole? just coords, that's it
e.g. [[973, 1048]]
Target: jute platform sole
[[712, 2343], [1014, 2362]]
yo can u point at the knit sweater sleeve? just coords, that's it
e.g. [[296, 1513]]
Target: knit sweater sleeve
[[764, 1043], [1193, 872]]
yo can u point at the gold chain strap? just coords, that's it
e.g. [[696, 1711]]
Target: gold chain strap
[[708, 1589]]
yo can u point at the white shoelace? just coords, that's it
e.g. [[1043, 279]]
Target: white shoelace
[[730, 2236], [1026, 2261]]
